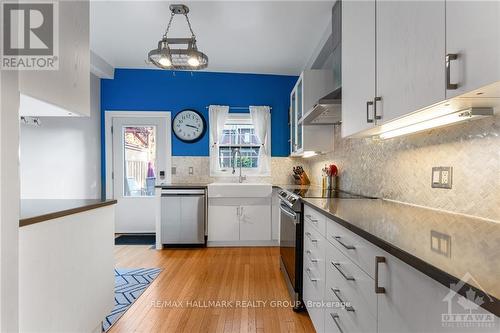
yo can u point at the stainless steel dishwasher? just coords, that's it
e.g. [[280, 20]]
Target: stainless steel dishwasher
[[183, 217]]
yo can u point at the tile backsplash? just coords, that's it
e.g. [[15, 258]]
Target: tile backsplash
[[400, 168], [281, 169]]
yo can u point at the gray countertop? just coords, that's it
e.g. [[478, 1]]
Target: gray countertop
[[39, 210], [183, 185], [408, 230]]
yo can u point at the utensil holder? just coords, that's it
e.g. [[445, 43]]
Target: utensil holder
[[332, 183]]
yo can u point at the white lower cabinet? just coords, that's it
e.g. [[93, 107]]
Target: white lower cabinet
[[239, 221], [314, 275], [255, 222], [340, 282], [223, 223]]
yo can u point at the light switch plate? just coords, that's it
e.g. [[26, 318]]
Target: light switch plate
[[191, 170], [442, 177]]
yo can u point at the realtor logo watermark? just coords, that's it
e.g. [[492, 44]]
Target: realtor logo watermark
[[466, 312], [30, 36]]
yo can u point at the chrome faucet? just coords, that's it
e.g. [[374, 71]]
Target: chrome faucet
[[241, 178]]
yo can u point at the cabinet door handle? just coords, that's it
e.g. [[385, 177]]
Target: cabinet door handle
[[335, 317], [368, 120], [449, 58], [347, 246], [347, 277], [309, 255], [378, 290], [311, 219], [335, 292], [238, 211], [308, 270], [375, 100], [308, 234]]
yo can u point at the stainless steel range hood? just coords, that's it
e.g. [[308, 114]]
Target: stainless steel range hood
[[328, 111]]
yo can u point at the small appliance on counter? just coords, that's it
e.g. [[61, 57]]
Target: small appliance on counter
[[300, 176]]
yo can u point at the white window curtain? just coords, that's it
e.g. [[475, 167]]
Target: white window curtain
[[217, 115], [261, 118]]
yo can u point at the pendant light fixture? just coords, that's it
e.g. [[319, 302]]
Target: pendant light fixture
[[186, 55]]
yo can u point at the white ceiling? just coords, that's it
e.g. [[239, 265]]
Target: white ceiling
[[275, 37]]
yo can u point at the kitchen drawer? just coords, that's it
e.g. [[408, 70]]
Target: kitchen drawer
[[316, 219], [314, 258], [357, 249], [353, 286], [314, 242], [346, 322], [313, 300]]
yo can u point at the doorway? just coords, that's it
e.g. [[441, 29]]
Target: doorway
[[138, 157]]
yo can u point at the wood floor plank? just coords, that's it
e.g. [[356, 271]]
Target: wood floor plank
[[188, 294]]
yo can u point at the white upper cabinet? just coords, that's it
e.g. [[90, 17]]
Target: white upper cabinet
[[473, 34], [312, 85], [399, 57], [69, 87], [410, 56], [358, 66]]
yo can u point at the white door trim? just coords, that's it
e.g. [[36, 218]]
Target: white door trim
[[108, 142]]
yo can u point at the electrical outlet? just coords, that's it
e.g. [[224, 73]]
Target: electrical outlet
[[191, 170], [442, 177]]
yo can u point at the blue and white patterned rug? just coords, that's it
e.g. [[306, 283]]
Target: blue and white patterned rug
[[130, 283]]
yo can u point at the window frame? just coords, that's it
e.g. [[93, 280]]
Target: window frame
[[242, 118]]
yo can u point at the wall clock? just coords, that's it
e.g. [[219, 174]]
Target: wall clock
[[189, 125]]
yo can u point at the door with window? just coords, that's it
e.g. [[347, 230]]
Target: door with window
[[140, 158]]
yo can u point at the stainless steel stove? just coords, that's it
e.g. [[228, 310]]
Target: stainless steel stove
[[292, 232]]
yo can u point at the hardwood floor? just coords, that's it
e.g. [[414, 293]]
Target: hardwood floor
[[178, 300]]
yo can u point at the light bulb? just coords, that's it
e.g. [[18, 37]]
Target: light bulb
[[193, 61], [165, 61]]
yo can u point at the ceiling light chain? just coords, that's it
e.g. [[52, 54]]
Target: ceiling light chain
[[189, 25], [169, 24]]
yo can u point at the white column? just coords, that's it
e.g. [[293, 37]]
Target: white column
[[9, 200]]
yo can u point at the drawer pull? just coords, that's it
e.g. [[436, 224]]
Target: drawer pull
[[335, 292], [378, 290], [448, 59], [335, 318], [347, 277], [309, 255], [349, 247], [308, 234], [311, 219], [308, 270]]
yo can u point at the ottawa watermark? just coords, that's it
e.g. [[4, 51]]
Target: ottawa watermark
[[30, 35], [466, 312]]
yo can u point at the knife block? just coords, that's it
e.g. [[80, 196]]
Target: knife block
[[302, 179]]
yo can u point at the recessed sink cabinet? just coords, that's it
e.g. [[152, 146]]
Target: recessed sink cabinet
[[239, 214]]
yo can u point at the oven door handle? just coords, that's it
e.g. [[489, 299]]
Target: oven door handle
[[290, 214]]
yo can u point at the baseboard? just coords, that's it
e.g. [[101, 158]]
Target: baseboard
[[242, 243]]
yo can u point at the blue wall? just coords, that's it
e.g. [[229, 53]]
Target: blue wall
[[157, 90]]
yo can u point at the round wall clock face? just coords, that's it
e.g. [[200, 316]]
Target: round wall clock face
[[189, 125]]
